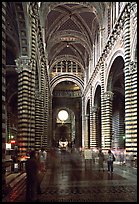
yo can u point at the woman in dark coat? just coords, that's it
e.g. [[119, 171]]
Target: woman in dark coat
[[32, 168]]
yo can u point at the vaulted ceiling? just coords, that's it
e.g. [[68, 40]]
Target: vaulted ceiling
[[70, 29]]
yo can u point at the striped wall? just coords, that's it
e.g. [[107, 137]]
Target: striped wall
[[123, 131], [3, 79], [130, 92]]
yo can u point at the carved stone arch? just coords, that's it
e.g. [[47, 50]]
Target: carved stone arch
[[98, 83], [87, 102], [87, 117], [115, 90], [118, 53], [96, 110], [66, 77]]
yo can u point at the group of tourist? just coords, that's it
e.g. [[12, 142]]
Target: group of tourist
[[35, 166]]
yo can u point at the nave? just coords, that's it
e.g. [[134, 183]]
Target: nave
[[69, 178]]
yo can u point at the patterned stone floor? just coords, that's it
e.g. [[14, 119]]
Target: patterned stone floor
[[70, 179]]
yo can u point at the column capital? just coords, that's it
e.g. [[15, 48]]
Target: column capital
[[24, 63], [108, 95], [38, 94], [94, 109], [133, 66]]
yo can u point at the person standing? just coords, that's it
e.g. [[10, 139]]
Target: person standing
[[101, 160], [39, 173], [45, 158], [32, 169], [110, 159], [42, 158]]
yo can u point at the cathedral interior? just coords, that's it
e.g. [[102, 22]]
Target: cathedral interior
[[77, 57], [69, 76]]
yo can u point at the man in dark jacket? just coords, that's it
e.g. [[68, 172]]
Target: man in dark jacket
[[110, 159], [32, 169]]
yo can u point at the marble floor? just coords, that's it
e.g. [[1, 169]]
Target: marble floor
[[69, 178]]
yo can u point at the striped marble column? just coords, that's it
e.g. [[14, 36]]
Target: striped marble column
[[45, 116], [130, 92], [108, 96], [91, 119], [83, 122], [121, 129], [38, 121], [77, 130], [26, 105], [103, 129], [86, 131], [49, 144], [94, 127]]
